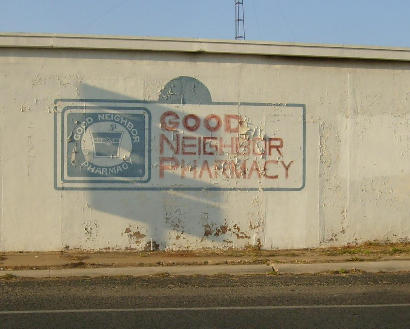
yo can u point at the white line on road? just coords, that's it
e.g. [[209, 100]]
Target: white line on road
[[212, 308]]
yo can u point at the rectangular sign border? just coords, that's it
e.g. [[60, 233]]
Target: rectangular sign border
[[142, 188]]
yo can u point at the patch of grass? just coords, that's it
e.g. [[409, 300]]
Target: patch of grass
[[356, 259], [290, 254], [342, 251], [78, 258], [374, 244], [76, 264], [369, 249], [353, 251], [347, 271], [398, 250], [8, 276], [161, 275]]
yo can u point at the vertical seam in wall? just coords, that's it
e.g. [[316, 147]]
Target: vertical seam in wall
[[61, 217], [265, 219], [321, 224], [60, 193], [1, 207], [319, 192], [1, 188], [348, 144]]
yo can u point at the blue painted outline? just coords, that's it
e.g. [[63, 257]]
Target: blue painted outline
[[130, 180], [210, 188]]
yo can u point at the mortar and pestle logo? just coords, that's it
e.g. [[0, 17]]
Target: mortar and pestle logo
[[107, 144]]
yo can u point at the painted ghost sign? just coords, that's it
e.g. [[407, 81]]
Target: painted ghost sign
[[114, 144]]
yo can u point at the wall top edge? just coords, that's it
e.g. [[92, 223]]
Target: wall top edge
[[161, 44]]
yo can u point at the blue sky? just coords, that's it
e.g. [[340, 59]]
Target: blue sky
[[364, 22]]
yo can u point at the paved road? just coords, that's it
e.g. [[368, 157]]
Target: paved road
[[261, 301]]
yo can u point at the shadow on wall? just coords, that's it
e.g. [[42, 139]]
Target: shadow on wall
[[177, 217]]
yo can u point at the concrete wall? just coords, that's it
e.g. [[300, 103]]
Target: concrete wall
[[322, 135]]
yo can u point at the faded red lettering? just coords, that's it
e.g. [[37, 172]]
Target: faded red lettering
[[205, 166], [212, 117], [174, 148], [172, 165], [205, 143], [188, 168], [199, 145], [236, 172], [254, 167], [275, 143], [170, 124], [286, 167], [228, 123], [196, 120], [255, 146], [233, 146], [187, 146], [265, 169]]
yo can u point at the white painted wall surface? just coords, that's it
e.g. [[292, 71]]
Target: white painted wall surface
[[357, 145]]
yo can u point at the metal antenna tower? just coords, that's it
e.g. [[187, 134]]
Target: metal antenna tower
[[239, 20]]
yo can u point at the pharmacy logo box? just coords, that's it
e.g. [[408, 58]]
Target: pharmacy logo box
[[103, 145]]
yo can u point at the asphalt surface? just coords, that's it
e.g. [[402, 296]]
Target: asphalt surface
[[254, 301]]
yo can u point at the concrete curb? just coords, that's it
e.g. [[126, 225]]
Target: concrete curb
[[373, 267], [142, 271]]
